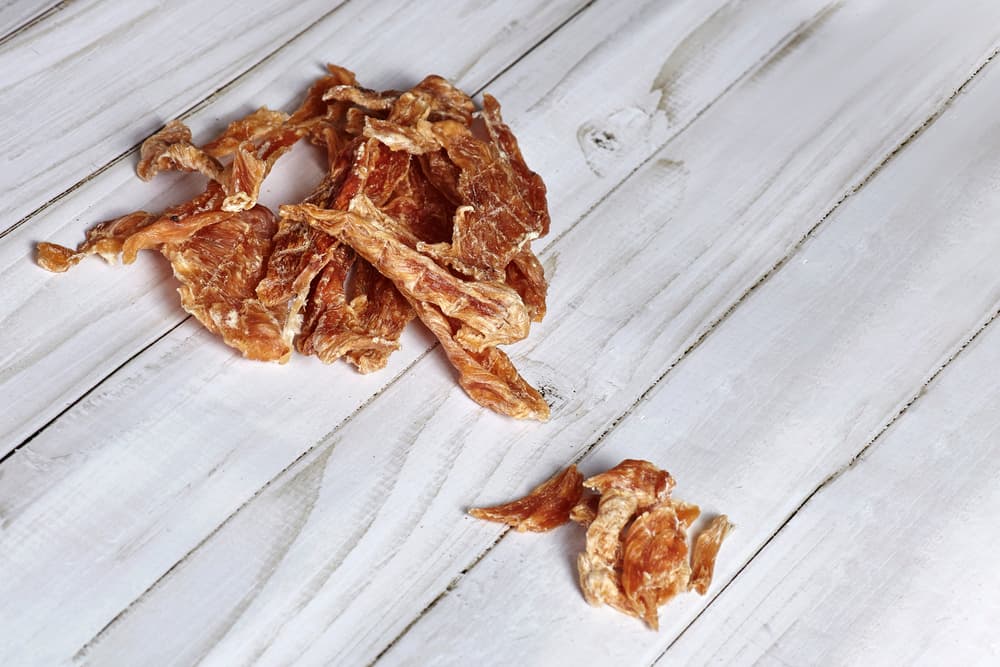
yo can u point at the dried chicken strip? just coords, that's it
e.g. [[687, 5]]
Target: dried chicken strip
[[382, 314], [362, 97], [491, 313], [488, 377], [626, 489], [105, 239], [503, 202], [416, 140], [219, 267], [447, 101], [640, 480], [655, 564], [585, 511], [330, 327], [108, 238], [706, 548], [171, 149], [251, 128], [443, 175], [547, 506], [420, 208], [243, 178], [526, 275], [314, 106]]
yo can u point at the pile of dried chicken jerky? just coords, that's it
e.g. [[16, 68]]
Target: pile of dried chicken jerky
[[427, 209]]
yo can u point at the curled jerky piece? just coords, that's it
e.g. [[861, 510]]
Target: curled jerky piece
[[382, 313], [547, 506], [171, 149], [219, 267], [526, 275], [249, 128], [105, 239], [488, 376], [706, 548], [585, 511], [502, 201], [655, 564]]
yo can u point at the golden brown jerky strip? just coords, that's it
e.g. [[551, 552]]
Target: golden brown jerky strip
[[487, 376], [706, 548], [547, 506], [655, 561], [219, 267]]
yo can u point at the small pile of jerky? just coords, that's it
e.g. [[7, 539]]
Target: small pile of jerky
[[427, 209], [636, 558]]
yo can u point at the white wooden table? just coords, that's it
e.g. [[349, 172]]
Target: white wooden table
[[774, 267]]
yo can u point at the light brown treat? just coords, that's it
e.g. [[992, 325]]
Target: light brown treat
[[250, 128], [313, 106], [585, 511], [420, 208], [487, 376], [415, 140], [526, 275], [491, 313], [446, 101], [547, 506], [655, 561], [105, 239], [219, 267], [382, 313], [330, 326], [628, 488], [599, 564], [412, 199], [638, 479], [706, 548], [171, 149], [502, 201], [362, 97]]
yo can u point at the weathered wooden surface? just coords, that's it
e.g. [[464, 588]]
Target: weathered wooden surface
[[773, 223]]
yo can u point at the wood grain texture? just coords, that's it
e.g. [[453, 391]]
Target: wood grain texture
[[346, 559], [108, 314], [891, 563], [780, 399]]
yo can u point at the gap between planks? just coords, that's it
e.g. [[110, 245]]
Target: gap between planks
[[836, 474], [37, 18], [804, 29], [200, 105]]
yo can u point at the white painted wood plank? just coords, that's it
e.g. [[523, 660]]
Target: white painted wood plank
[[107, 314], [30, 481], [782, 395], [351, 541], [14, 14], [108, 74], [892, 563]]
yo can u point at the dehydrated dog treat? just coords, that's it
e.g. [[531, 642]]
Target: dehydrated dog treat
[[546, 507], [636, 558], [427, 210]]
